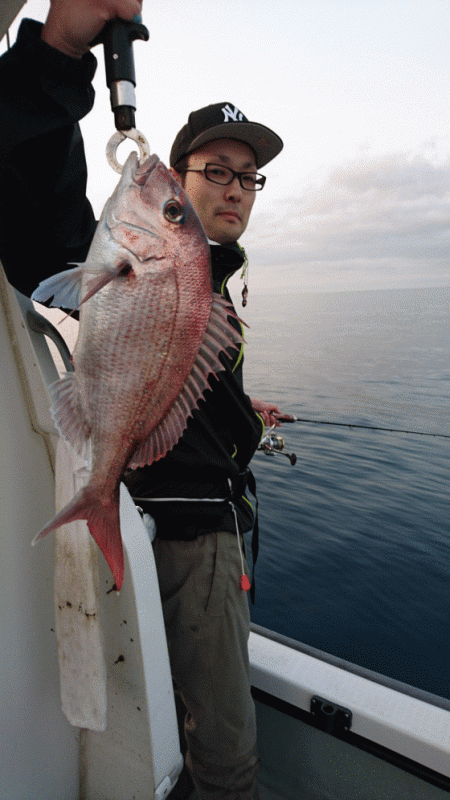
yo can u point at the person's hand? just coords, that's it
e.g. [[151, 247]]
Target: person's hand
[[266, 411], [72, 24]]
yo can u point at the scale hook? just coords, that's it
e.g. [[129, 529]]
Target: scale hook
[[120, 136]]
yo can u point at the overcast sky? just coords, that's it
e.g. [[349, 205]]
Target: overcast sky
[[358, 90]]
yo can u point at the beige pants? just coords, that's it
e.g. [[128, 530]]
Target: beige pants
[[207, 624]]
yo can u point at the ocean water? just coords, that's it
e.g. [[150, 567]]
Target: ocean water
[[355, 538]]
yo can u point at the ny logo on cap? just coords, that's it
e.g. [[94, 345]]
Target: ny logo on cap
[[232, 114]]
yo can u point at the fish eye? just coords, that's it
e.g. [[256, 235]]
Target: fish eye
[[173, 211]]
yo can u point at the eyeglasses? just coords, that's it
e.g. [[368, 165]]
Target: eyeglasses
[[250, 181]]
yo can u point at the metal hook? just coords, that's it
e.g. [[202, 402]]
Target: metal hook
[[117, 138]]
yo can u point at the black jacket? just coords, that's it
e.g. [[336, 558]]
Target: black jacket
[[46, 221]]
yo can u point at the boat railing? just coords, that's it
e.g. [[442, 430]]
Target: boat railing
[[355, 669], [366, 708]]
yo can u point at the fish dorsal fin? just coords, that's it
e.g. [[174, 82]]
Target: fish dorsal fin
[[219, 335]]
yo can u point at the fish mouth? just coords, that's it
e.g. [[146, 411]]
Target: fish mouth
[[144, 170]]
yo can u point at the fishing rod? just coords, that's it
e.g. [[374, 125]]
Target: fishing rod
[[273, 443], [291, 418]]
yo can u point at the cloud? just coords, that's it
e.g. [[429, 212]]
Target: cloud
[[371, 223]]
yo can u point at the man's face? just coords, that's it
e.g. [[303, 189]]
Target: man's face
[[224, 211]]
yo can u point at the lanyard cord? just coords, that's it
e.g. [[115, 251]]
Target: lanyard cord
[[244, 580]]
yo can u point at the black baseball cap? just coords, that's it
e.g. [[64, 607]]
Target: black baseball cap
[[225, 121]]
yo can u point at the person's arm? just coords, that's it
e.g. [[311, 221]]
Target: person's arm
[[46, 220]]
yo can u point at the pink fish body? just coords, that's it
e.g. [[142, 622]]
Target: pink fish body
[[151, 331]]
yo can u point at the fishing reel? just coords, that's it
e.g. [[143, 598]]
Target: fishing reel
[[272, 444]]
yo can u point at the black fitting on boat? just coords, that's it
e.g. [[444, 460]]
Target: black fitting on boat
[[330, 717]]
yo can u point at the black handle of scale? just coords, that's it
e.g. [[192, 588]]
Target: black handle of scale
[[117, 38]]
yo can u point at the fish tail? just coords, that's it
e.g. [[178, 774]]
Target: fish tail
[[103, 521]]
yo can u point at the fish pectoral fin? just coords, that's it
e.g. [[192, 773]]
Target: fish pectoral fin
[[219, 336], [65, 288], [67, 413], [101, 277]]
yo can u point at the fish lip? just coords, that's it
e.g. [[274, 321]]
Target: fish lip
[[144, 170]]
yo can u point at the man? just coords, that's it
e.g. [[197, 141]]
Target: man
[[205, 610], [198, 548]]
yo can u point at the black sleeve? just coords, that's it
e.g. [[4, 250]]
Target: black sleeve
[[46, 220]]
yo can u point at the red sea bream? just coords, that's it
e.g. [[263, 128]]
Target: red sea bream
[[151, 331]]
